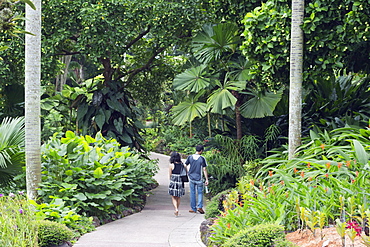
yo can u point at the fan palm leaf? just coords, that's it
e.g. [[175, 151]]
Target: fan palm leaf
[[193, 79], [222, 98], [261, 104], [213, 41], [12, 156], [188, 110]]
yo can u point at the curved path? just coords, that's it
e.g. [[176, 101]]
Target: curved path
[[155, 225]]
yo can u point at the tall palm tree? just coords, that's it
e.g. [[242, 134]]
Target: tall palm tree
[[32, 98], [296, 67], [11, 149]]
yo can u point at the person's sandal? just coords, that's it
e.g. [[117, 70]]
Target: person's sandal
[[191, 211], [176, 213], [200, 210]]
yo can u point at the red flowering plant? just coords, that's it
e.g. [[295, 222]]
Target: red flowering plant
[[354, 225]]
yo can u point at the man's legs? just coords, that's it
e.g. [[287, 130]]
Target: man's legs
[[200, 194], [192, 185]]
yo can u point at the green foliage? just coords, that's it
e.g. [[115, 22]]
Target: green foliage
[[17, 221], [335, 32], [348, 97], [12, 157], [225, 160], [110, 112], [215, 206], [95, 176], [228, 224], [52, 233], [263, 235], [57, 211], [306, 190]]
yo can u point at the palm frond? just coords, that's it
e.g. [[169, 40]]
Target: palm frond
[[261, 104], [193, 79]]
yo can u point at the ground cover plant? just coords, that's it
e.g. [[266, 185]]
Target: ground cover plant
[[17, 221], [323, 185], [94, 176], [21, 224]]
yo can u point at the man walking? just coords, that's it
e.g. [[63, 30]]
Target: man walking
[[197, 164]]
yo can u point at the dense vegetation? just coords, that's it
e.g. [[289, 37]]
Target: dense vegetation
[[120, 78]]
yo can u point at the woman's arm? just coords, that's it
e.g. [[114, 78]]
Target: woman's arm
[[171, 166]]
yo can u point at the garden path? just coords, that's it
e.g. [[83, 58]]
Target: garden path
[[155, 225]]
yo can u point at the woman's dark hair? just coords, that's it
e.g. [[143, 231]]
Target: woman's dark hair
[[175, 157]]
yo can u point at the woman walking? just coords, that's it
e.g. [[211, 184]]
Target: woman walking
[[176, 187]]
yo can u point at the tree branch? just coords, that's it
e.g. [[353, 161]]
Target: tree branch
[[138, 38], [134, 72]]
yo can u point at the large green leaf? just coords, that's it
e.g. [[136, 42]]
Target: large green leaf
[[261, 104], [193, 79], [361, 154], [188, 110], [212, 41], [219, 100]]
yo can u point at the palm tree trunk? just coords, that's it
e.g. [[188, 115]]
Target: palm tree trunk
[[238, 117], [209, 124], [296, 64], [32, 99]]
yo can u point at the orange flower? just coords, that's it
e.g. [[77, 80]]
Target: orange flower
[[251, 182], [282, 182], [271, 173], [308, 165], [339, 165], [295, 170], [326, 175], [353, 180], [357, 173], [327, 165], [302, 174], [326, 189], [228, 225], [310, 179], [322, 146], [348, 163]]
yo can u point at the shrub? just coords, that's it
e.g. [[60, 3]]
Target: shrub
[[263, 235], [52, 233], [57, 211], [95, 176]]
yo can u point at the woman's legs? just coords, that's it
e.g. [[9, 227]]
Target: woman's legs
[[176, 204]]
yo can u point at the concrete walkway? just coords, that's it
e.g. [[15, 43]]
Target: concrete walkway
[[155, 225]]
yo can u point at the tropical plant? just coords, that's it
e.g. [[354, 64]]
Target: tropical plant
[[222, 77], [57, 211], [12, 157], [95, 176], [334, 103]]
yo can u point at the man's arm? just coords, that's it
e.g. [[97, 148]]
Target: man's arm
[[205, 175]]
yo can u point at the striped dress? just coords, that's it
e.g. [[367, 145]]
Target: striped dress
[[176, 187]]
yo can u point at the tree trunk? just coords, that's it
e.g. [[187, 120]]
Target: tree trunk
[[209, 125], [32, 99], [296, 64], [61, 79], [238, 117]]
